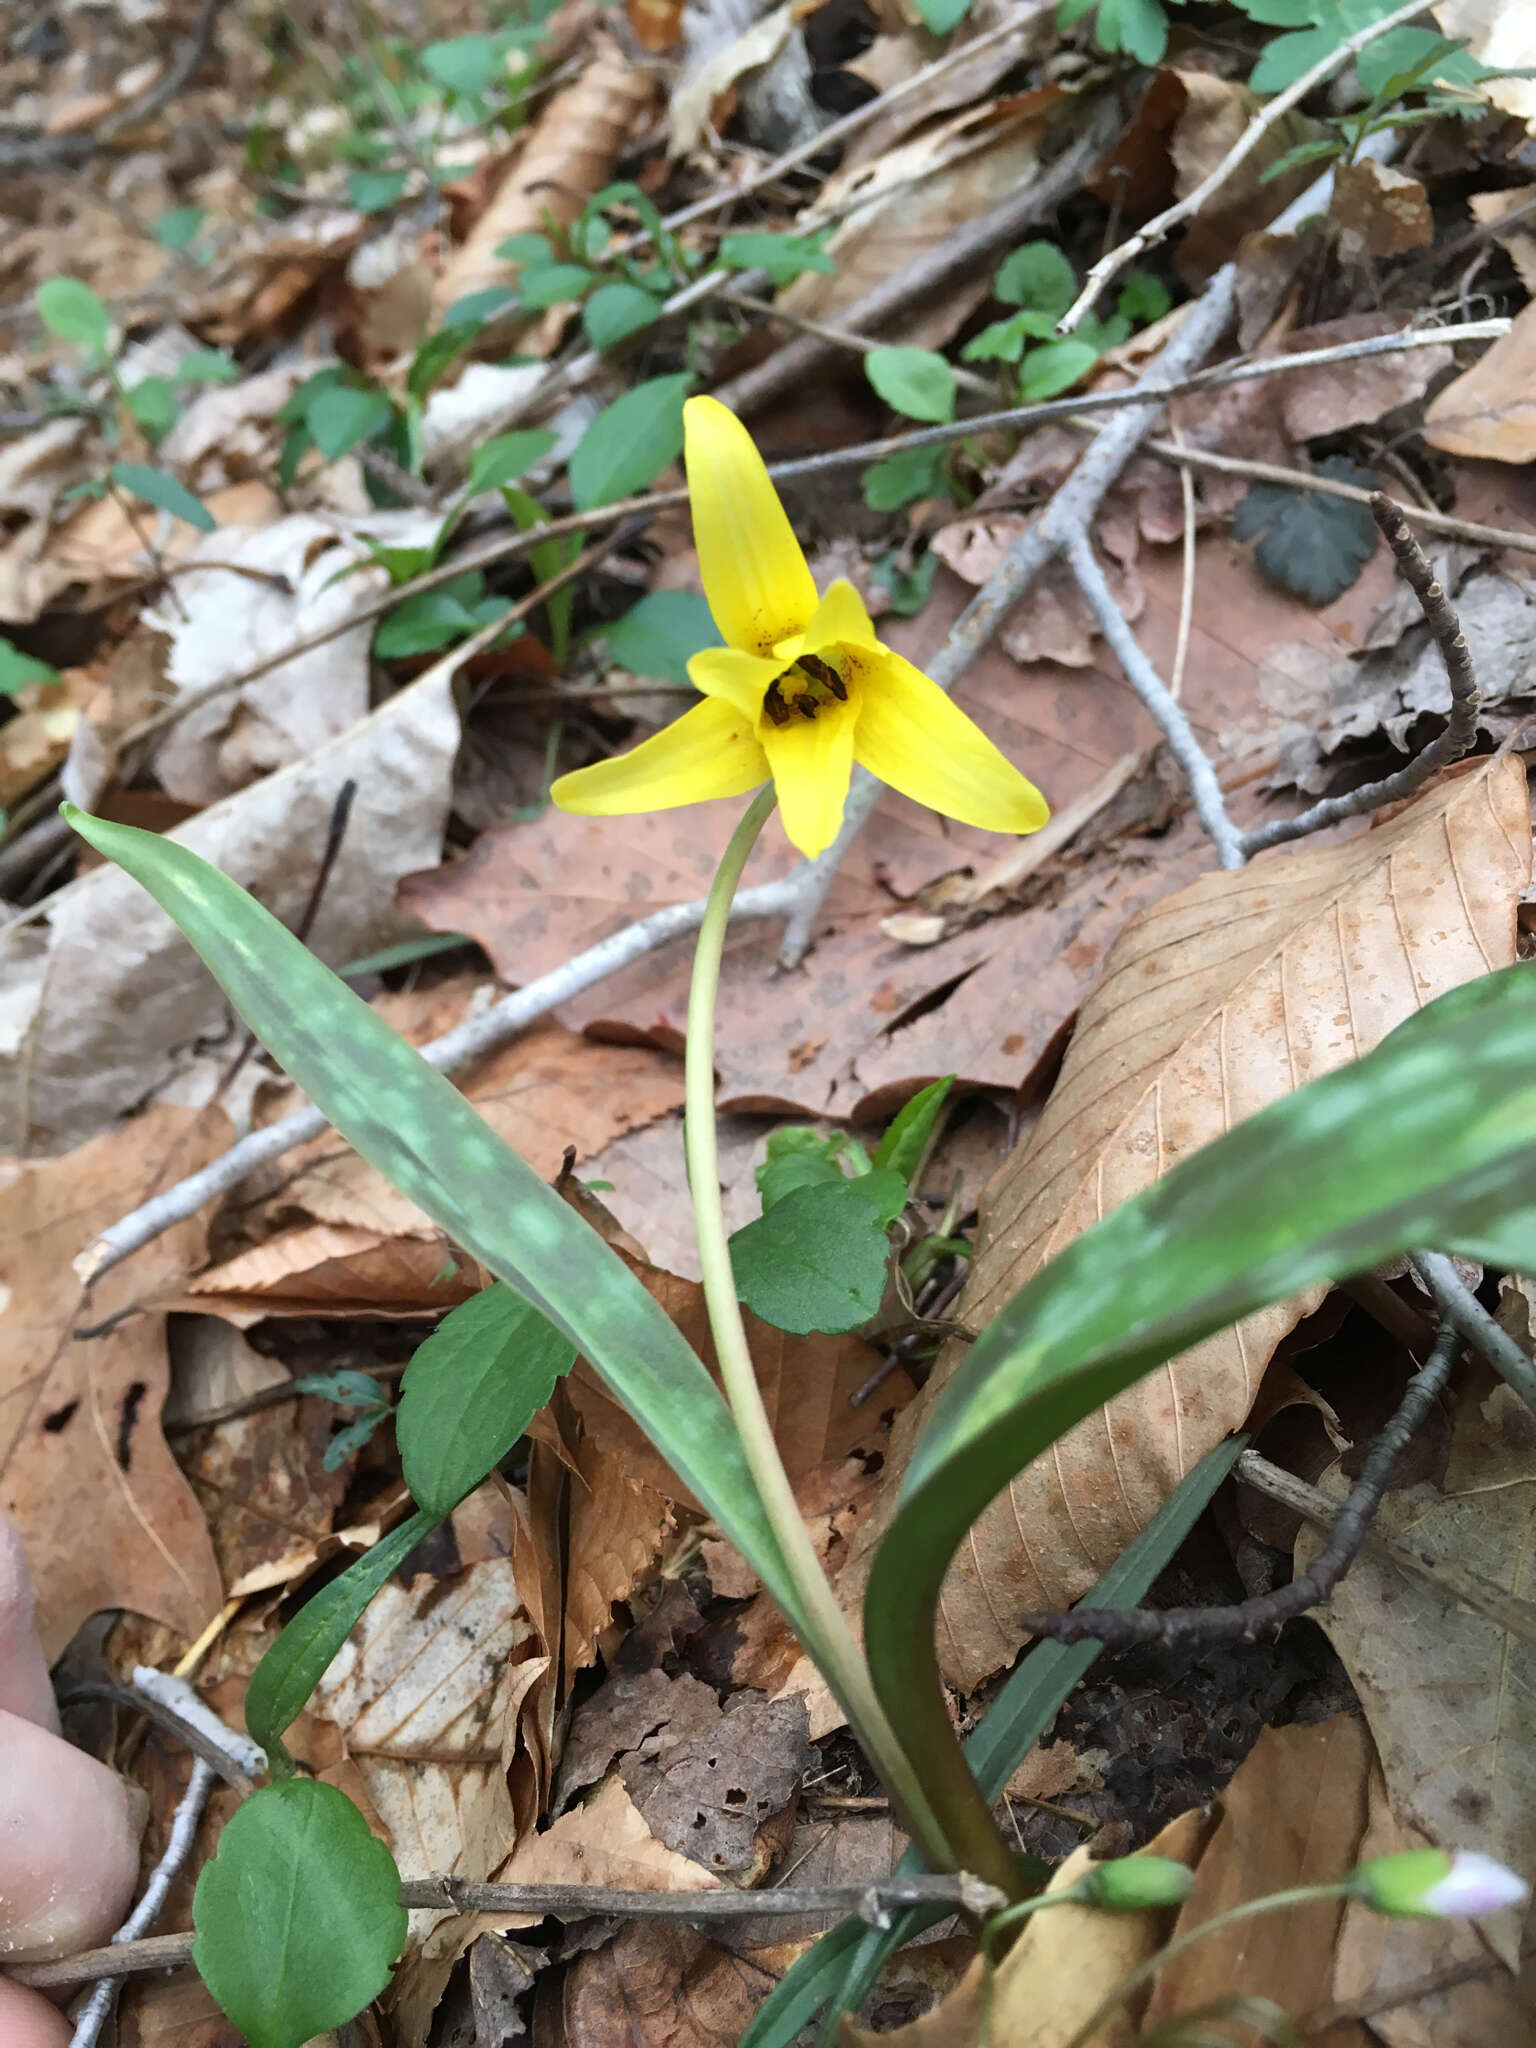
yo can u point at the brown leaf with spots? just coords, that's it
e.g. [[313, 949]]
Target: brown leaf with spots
[[661, 1987], [106, 1516], [1215, 1002]]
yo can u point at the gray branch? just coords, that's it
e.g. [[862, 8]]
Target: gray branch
[[1460, 1307]]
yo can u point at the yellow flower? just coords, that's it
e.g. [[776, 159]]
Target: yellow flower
[[802, 688]]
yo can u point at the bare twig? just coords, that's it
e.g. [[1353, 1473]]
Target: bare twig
[[1120, 1628], [1391, 1997], [1460, 1307], [1272, 111], [1069, 514], [183, 1832], [1144, 679], [875, 1902], [952, 257], [1461, 727], [1450, 1580], [455, 1049]]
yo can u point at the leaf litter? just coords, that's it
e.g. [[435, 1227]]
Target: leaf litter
[[555, 1685]]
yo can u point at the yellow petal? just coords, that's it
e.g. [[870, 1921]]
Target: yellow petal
[[812, 759], [740, 679], [710, 751], [840, 616], [914, 738], [755, 577]]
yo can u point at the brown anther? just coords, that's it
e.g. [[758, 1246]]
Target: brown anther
[[806, 705], [774, 705], [823, 672]]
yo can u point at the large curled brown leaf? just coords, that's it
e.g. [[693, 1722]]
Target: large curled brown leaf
[[1214, 1002]]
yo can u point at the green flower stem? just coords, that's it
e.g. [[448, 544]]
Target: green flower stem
[[1250, 1909], [829, 1639]]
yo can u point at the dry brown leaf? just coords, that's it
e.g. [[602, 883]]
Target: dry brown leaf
[[693, 103], [1294, 1814], [1373, 1954], [658, 1986], [605, 1841], [1214, 1003], [1519, 240], [424, 1697], [566, 156], [1058, 1970], [1447, 1691], [107, 1518], [1500, 33], [912, 199], [1378, 211], [1491, 408]]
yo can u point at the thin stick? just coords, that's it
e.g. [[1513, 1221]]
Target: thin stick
[[1272, 111], [1187, 581], [1120, 1628], [1461, 1308], [1461, 727], [874, 1902], [183, 1832]]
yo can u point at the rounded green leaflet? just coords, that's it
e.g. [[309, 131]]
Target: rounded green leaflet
[[298, 1915]]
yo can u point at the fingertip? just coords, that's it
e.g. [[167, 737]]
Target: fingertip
[[27, 2020]]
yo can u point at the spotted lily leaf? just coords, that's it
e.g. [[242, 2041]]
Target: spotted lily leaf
[[1428, 1142], [410, 1122]]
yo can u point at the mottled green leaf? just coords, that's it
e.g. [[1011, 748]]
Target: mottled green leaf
[[411, 1123]]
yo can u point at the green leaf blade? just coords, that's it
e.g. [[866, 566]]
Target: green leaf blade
[[916, 381], [630, 442], [816, 1261], [165, 492], [410, 1122], [298, 1915], [471, 1391]]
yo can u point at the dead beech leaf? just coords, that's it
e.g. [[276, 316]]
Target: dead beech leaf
[[661, 1986], [1447, 1691], [1374, 1954], [424, 1696], [1378, 211], [1294, 1814], [106, 1515], [1058, 1970], [1500, 33], [692, 103], [1491, 408], [1519, 239], [1215, 1002], [566, 156], [605, 1841]]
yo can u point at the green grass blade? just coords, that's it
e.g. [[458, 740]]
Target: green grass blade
[[410, 1122]]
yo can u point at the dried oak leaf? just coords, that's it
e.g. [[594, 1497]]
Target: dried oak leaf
[[1214, 1003]]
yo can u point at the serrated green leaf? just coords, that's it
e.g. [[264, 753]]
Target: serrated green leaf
[[338, 416], [167, 492], [915, 381], [1038, 276], [375, 191], [844, 1964], [1311, 545], [464, 64], [799, 1157], [909, 473], [1054, 367], [901, 1149], [527, 248], [784, 257], [72, 311], [179, 228], [18, 670], [616, 311], [551, 284], [414, 1126], [817, 1260], [1285, 58], [509, 455], [659, 636], [152, 401], [1428, 1142], [298, 1915], [470, 1392], [630, 442]]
